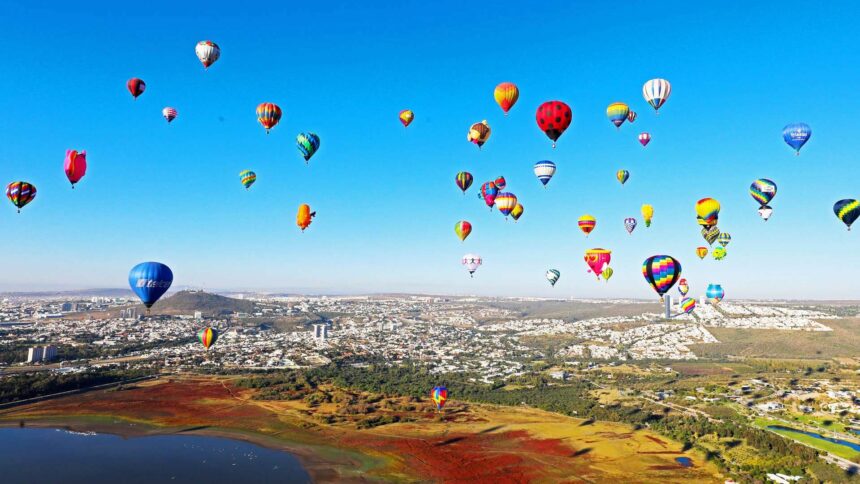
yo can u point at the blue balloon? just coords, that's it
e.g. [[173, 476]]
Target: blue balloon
[[796, 135], [150, 280]]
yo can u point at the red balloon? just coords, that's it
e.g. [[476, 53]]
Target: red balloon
[[136, 86], [553, 117]]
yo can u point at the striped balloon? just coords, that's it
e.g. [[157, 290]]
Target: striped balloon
[[644, 139], [552, 276], [724, 238], [710, 234], [607, 273], [796, 135], [688, 304], [20, 193], [506, 95], [631, 116], [587, 224], [406, 116], [629, 224], [268, 114], [439, 395], [656, 92], [617, 113], [489, 192], [661, 272], [207, 336], [464, 180], [622, 176], [506, 201], [763, 191], [544, 170], [248, 178], [500, 183], [308, 144], [169, 114], [208, 52], [462, 229], [517, 212], [847, 210], [707, 212]]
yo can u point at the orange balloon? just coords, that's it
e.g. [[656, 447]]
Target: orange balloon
[[303, 218], [506, 95]]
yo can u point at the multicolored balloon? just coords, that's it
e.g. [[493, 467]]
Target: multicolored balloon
[[135, 87], [629, 224], [462, 229], [622, 176], [688, 305], [464, 180], [847, 210], [506, 202], [489, 191], [763, 191], [406, 116], [631, 116], [607, 273], [248, 178], [553, 118], [719, 253], [656, 92], [701, 251], [75, 165], [169, 114], [644, 139], [647, 214], [208, 52], [207, 337], [544, 170], [308, 144], [597, 260], [707, 212], [439, 395], [617, 113], [20, 193], [150, 280], [724, 238], [661, 272], [304, 216], [552, 276], [506, 95], [715, 293], [796, 135], [710, 234], [517, 212], [471, 262], [500, 182], [479, 133], [683, 288], [586, 224], [268, 114]]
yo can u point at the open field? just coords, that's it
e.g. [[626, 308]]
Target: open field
[[478, 443]]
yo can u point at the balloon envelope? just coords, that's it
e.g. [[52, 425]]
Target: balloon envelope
[[847, 210], [207, 336], [471, 262], [707, 212], [647, 214], [552, 276], [20, 193], [622, 176], [248, 178], [464, 180], [701, 252], [479, 133], [462, 229], [544, 170], [661, 272], [597, 260], [150, 280], [135, 86], [629, 224], [517, 211], [796, 135], [268, 115], [688, 304], [304, 216], [617, 113], [506, 95], [506, 202], [553, 118], [406, 116], [763, 191], [75, 165], [208, 52], [715, 293], [308, 144], [683, 288], [656, 92], [586, 224], [439, 395]]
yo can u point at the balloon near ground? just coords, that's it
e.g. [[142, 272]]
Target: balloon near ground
[[207, 336], [208, 52], [553, 118], [268, 115], [75, 166], [479, 133], [20, 193], [796, 135], [439, 395], [506, 95], [552, 276], [715, 293], [597, 260], [471, 262], [464, 180], [847, 211], [462, 229], [656, 92], [304, 217], [661, 272], [406, 116], [150, 280], [308, 144], [544, 170], [586, 224], [248, 178]]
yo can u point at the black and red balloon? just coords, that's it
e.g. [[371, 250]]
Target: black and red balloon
[[553, 117]]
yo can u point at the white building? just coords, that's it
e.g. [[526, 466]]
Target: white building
[[34, 354]]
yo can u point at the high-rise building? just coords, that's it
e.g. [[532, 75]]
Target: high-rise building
[[667, 300], [320, 332], [34, 354], [66, 307], [49, 352]]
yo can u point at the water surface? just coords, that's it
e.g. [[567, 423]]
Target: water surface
[[846, 443]]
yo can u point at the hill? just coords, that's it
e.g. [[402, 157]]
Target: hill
[[185, 302]]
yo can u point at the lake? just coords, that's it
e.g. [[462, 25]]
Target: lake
[[32, 455], [851, 445]]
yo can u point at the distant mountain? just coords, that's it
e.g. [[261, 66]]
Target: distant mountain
[[186, 302], [102, 292]]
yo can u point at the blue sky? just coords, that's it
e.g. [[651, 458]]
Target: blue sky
[[385, 196]]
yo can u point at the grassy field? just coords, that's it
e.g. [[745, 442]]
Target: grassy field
[[836, 449]]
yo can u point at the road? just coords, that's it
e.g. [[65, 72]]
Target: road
[[53, 366]]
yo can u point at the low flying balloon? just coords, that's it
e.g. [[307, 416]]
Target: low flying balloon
[[644, 139], [135, 86], [715, 293], [207, 336], [553, 118], [796, 135], [479, 133], [683, 288], [462, 229], [150, 280], [688, 304], [701, 251], [544, 170], [647, 214], [75, 165], [464, 180], [517, 212], [20, 193], [765, 212], [406, 116], [631, 116], [847, 210], [656, 92], [597, 260], [471, 262], [552, 276], [439, 395], [724, 238], [607, 273], [304, 216], [661, 272], [719, 253], [586, 224], [169, 114], [268, 114], [710, 234], [707, 212], [622, 176], [506, 202], [500, 183], [208, 52], [629, 224], [248, 178], [617, 113], [506, 95], [489, 191], [308, 144]]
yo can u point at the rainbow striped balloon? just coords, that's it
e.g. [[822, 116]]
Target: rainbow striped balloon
[[617, 113], [763, 191], [439, 395], [506, 202], [207, 336], [587, 224], [464, 180], [622, 176], [20, 193], [248, 178], [268, 114], [688, 304], [661, 272]]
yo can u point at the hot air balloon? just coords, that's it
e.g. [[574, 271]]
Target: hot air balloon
[[517, 212], [462, 229], [553, 118], [683, 288], [710, 234], [724, 238], [489, 191], [169, 114], [552, 276], [464, 180], [500, 183], [622, 176], [661, 272], [248, 178], [647, 214], [308, 144], [765, 212], [644, 139], [586, 224], [75, 165], [617, 113], [471, 262], [505, 202], [439, 395], [847, 210], [304, 216], [719, 253], [796, 135], [207, 336], [20, 193], [707, 212], [656, 92], [607, 273], [629, 224], [406, 116], [763, 191], [506, 95], [208, 52], [268, 115], [688, 304], [150, 280], [631, 116], [544, 170], [135, 86], [597, 260], [701, 251], [479, 133], [715, 293]]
